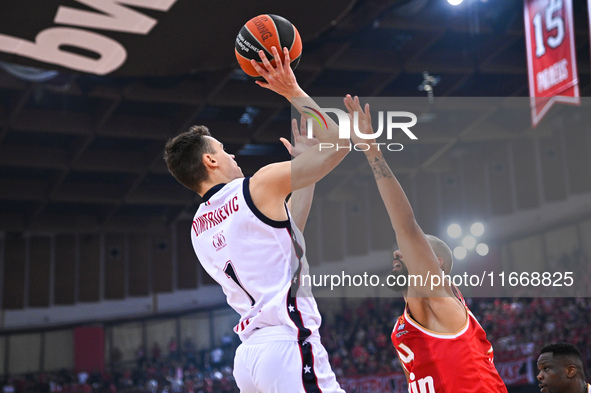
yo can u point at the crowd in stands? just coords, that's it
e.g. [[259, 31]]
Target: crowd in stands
[[356, 336], [177, 370]]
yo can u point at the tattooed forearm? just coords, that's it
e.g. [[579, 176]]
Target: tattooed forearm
[[380, 168]]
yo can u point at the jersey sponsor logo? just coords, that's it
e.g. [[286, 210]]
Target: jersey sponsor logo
[[402, 333], [219, 241], [406, 357], [213, 218], [423, 385]]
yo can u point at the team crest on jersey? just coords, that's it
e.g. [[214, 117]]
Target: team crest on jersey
[[401, 326], [219, 240]]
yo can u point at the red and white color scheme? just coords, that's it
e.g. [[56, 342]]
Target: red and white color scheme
[[551, 59], [460, 362]]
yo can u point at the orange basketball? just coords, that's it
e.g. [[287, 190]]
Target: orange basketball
[[263, 32]]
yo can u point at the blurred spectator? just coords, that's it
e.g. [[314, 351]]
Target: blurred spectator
[[172, 349], [156, 352]]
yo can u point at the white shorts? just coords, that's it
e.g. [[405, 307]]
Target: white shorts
[[284, 366]]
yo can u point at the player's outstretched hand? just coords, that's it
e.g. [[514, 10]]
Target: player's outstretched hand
[[301, 142], [363, 122], [279, 79]]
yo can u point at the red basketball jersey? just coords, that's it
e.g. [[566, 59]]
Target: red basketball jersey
[[459, 362]]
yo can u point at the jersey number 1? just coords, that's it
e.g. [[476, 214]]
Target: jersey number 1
[[231, 274]]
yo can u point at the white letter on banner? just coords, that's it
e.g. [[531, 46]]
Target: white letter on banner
[[114, 16], [48, 48]]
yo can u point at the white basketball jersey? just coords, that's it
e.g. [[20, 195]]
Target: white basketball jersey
[[257, 261]]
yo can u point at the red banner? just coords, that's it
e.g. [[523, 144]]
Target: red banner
[[551, 60], [516, 372], [89, 349]]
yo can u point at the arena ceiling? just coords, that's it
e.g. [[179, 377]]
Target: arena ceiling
[[82, 152]]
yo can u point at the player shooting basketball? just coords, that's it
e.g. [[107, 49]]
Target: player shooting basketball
[[440, 344], [248, 241]]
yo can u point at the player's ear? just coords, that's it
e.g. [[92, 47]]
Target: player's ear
[[440, 260], [571, 371], [209, 160]]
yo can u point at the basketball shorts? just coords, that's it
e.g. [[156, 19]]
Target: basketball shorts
[[284, 366]]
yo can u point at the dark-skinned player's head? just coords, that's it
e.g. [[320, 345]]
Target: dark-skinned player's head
[[560, 368], [441, 251]]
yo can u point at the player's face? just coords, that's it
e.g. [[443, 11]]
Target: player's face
[[227, 164], [398, 269], [552, 375]]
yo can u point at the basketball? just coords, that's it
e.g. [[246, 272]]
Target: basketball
[[263, 32]]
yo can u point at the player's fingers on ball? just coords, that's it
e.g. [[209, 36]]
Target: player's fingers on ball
[[257, 67], [266, 62], [276, 57], [287, 60]]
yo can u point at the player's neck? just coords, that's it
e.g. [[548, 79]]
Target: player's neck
[[579, 389], [211, 182]]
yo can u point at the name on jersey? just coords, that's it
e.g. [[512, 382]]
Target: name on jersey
[[210, 219]]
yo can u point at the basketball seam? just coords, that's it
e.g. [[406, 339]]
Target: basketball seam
[[294, 37], [241, 55], [263, 48], [278, 35], [247, 59]]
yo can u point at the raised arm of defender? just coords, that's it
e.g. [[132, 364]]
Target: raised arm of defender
[[414, 246], [300, 202], [435, 307]]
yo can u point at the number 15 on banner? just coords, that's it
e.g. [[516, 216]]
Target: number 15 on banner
[[551, 60]]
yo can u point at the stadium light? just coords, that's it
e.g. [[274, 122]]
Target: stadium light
[[482, 249], [455, 2], [477, 229], [460, 252], [469, 242], [454, 231]]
